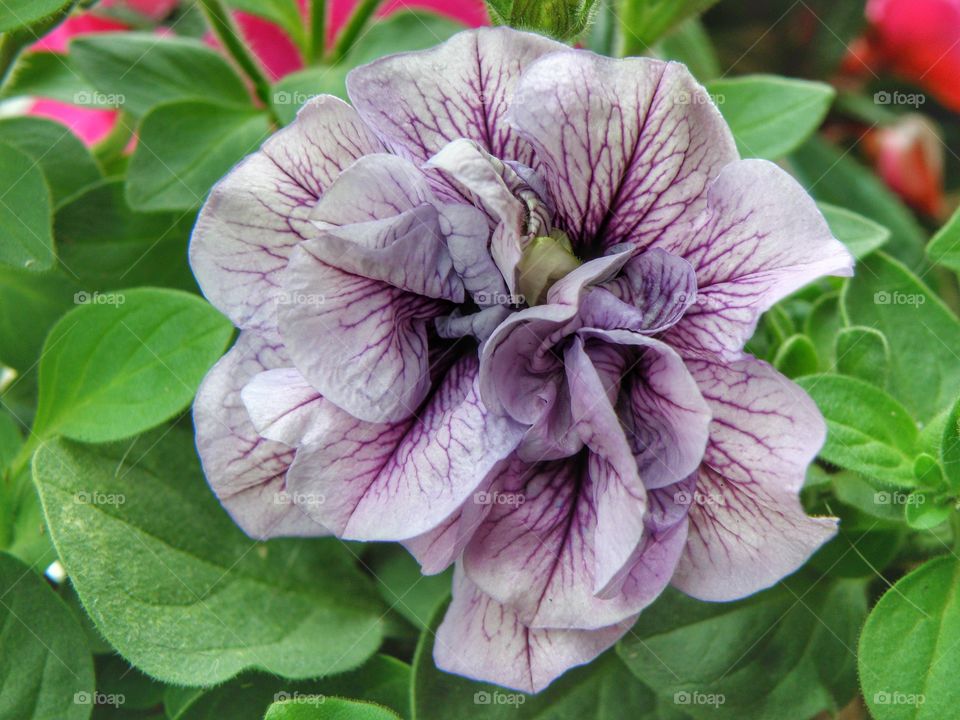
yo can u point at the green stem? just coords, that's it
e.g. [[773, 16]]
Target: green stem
[[955, 527], [318, 31], [116, 140], [22, 458], [223, 27], [355, 25], [10, 47]]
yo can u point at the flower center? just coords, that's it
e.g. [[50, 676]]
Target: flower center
[[546, 259]]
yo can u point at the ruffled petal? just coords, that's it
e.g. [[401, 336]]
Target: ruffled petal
[[760, 238], [247, 472], [627, 147], [747, 527], [537, 549], [359, 302], [484, 640], [397, 481], [418, 102], [258, 213]]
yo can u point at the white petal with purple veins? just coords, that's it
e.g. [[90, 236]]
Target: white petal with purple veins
[[246, 471], [258, 213], [394, 482], [363, 343], [418, 102], [747, 528], [484, 640], [627, 147], [284, 407], [760, 238]]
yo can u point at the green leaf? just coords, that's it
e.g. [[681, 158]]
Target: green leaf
[[40, 300], [45, 666], [925, 510], [797, 356], [108, 245], [833, 176], [173, 583], [861, 235], [868, 431], [690, 44], [909, 653], [26, 235], [67, 165], [645, 21], [284, 13], [863, 352], [950, 448], [598, 691], [401, 32], [382, 679], [870, 496], [861, 548], [329, 709], [126, 361], [413, 595], [944, 247], [923, 333], [821, 326], [15, 14], [139, 71], [184, 148], [118, 678], [771, 116], [48, 75], [783, 653]]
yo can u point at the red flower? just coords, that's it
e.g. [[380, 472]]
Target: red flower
[[908, 155], [920, 40]]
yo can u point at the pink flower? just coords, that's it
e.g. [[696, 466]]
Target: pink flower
[[908, 155], [920, 40]]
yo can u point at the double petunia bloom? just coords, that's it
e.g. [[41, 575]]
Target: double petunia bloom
[[495, 311]]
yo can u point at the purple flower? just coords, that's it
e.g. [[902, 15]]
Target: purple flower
[[495, 311]]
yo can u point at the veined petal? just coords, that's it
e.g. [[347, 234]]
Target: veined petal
[[376, 187], [650, 294], [627, 147], [760, 238], [536, 551], [397, 481], [418, 102], [484, 640], [247, 472], [747, 528], [258, 213], [285, 408], [359, 302]]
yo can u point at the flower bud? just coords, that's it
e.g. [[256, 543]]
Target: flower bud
[[562, 19]]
